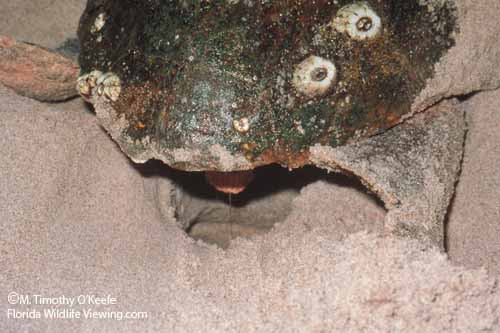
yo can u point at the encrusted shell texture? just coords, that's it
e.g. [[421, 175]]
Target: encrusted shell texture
[[264, 80]]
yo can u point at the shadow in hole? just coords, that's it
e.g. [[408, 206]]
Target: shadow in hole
[[268, 180], [217, 218]]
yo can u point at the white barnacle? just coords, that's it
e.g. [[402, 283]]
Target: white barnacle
[[109, 86], [82, 86], [314, 76], [87, 82], [241, 125], [93, 77], [99, 23], [358, 20]]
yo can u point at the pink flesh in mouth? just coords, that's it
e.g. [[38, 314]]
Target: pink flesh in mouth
[[233, 182]]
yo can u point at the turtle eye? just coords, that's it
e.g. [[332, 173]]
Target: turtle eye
[[358, 20], [315, 76]]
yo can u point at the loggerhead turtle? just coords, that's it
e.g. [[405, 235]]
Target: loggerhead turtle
[[232, 85], [225, 86]]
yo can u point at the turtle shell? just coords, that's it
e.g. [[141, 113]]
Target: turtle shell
[[233, 84]]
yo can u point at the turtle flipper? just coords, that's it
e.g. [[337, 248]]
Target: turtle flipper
[[36, 72], [412, 168]]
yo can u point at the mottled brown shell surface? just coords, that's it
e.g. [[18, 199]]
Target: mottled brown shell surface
[[260, 82]]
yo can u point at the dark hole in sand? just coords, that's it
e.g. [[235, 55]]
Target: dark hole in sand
[[217, 218]]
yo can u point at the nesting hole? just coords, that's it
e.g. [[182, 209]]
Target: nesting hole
[[217, 218]]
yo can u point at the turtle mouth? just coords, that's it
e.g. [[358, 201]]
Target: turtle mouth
[[233, 182]]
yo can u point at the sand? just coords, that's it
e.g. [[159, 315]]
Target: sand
[[78, 218], [474, 219]]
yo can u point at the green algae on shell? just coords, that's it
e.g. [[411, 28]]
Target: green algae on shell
[[198, 74]]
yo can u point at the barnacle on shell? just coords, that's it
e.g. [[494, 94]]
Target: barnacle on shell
[[358, 20], [99, 23], [241, 125], [109, 86], [87, 82], [314, 76]]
